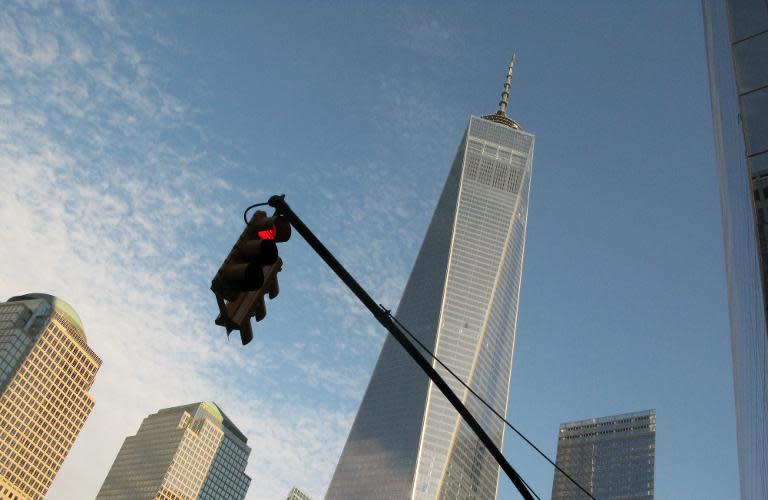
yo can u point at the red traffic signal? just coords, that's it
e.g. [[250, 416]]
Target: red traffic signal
[[250, 271], [279, 232]]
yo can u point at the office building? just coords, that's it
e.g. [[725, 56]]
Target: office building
[[736, 33], [46, 371], [186, 452], [297, 494], [407, 441], [611, 457]]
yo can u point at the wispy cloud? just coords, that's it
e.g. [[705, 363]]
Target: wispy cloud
[[98, 210]]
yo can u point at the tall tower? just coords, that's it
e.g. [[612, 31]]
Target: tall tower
[[612, 457], [407, 441], [46, 371], [737, 50], [185, 452]]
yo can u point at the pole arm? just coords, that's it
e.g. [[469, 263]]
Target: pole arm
[[278, 202]]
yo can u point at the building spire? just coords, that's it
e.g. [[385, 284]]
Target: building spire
[[507, 84], [500, 116]]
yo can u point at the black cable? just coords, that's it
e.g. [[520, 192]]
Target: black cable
[[487, 405], [530, 489], [404, 329], [245, 214]]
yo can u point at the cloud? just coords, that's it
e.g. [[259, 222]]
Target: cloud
[[25, 47], [96, 209]]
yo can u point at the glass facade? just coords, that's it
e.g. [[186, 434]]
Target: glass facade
[[46, 371], [185, 452], [226, 478], [737, 50], [407, 441], [611, 457]]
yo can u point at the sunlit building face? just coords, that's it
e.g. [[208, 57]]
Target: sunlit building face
[[297, 494], [461, 300], [46, 371], [186, 452]]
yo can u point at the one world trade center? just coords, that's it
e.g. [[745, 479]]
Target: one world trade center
[[461, 301]]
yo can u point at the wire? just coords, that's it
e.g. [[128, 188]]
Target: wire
[[403, 327], [530, 489], [245, 214], [487, 405]]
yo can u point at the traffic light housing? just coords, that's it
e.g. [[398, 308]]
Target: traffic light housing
[[249, 272]]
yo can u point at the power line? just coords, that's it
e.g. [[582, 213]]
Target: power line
[[487, 405]]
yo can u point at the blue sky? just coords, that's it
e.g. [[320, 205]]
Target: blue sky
[[132, 137]]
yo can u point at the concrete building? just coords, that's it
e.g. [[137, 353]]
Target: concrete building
[[46, 371], [186, 452], [736, 33], [611, 457], [461, 299]]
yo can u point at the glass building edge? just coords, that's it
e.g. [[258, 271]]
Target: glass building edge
[[491, 194], [744, 269]]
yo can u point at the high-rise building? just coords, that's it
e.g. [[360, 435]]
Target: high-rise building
[[407, 441], [737, 50], [297, 494], [185, 452], [46, 371], [611, 457]]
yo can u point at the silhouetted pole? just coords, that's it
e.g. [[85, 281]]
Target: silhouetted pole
[[278, 202]]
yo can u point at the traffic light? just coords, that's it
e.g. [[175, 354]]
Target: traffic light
[[249, 272]]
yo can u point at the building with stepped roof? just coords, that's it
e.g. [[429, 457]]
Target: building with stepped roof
[[185, 452], [46, 371], [297, 494]]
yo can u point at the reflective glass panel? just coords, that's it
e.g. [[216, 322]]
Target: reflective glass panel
[[752, 63], [748, 17], [755, 109]]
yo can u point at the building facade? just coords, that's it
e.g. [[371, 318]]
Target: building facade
[[297, 494], [185, 452], [407, 441], [46, 371], [611, 457], [736, 34]]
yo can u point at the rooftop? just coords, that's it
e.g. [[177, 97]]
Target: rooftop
[[59, 306]]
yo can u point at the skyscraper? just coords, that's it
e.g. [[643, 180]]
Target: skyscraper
[[185, 452], [297, 494], [611, 457], [46, 370], [737, 51], [407, 441]]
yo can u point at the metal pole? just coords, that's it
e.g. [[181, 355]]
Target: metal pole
[[278, 202]]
